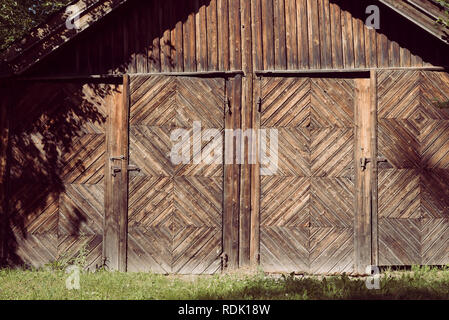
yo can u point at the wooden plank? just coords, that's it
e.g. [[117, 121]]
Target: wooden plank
[[348, 40], [223, 34], [325, 34], [235, 38], [314, 34], [280, 52], [246, 124], [359, 43], [268, 34], [232, 177], [363, 151], [189, 39], [116, 187], [201, 38], [177, 58], [154, 50], [374, 172], [336, 39], [4, 139], [212, 35], [370, 47], [303, 34], [257, 40], [291, 35], [165, 40]]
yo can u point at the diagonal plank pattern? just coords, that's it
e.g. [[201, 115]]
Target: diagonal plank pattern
[[307, 207], [413, 196], [175, 210], [57, 171]]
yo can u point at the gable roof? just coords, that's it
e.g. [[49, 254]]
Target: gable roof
[[51, 35], [423, 13]]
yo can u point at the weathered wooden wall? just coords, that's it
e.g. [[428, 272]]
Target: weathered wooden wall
[[208, 35], [56, 173]]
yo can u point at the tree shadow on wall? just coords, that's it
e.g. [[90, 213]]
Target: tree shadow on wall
[[55, 165]]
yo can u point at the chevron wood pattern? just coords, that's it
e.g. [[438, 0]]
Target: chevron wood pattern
[[307, 207], [57, 171], [413, 196], [175, 211]]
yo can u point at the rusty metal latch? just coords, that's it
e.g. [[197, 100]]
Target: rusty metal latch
[[364, 161]]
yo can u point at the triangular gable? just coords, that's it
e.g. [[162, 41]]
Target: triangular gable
[[51, 35]]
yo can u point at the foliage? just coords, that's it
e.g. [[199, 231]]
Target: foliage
[[419, 283], [17, 17], [444, 20]]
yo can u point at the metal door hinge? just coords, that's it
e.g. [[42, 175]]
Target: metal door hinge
[[224, 260]]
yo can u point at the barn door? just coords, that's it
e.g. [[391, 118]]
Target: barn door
[[175, 206], [311, 207], [414, 177]]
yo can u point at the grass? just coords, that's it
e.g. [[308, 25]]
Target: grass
[[419, 283]]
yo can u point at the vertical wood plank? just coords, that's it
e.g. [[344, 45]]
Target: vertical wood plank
[[154, 54], [141, 22], [325, 34], [314, 34], [280, 54], [235, 38], [382, 49], [374, 171], [337, 50], [201, 39], [303, 34], [212, 36], [223, 34], [232, 176], [247, 109], [268, 34], [116, 187], [347, 40], [370, 47], [256, 26], [189, 39], [255, 179], [164, 30], [291, 36], [362, 221], [359, 43], [176, 37]]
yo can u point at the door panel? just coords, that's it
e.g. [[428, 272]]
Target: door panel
[[175, 211], [413, 183], [307, 206]]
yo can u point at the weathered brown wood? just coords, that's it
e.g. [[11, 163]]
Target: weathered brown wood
[[223, 34], [325, 34], [364, 169], [314, 34], [116, 180], [336, 38], [189, 39], [303, 41], [280, 50], [268, 34], [246, 124], [235, 37], [175, 209], [232, 176], [212, 35], [301, 229], [374, 172]]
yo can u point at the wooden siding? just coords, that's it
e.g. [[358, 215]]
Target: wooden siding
[[413, 193], [56, 173], [206, 35]]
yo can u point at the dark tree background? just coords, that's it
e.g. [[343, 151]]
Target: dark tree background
[[17, 17]]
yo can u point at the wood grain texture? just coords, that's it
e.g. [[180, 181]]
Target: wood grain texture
[[307, 206], [57, 172], [175, 211], [412, 184]]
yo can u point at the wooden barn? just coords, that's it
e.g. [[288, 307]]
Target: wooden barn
[[89, 103]]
